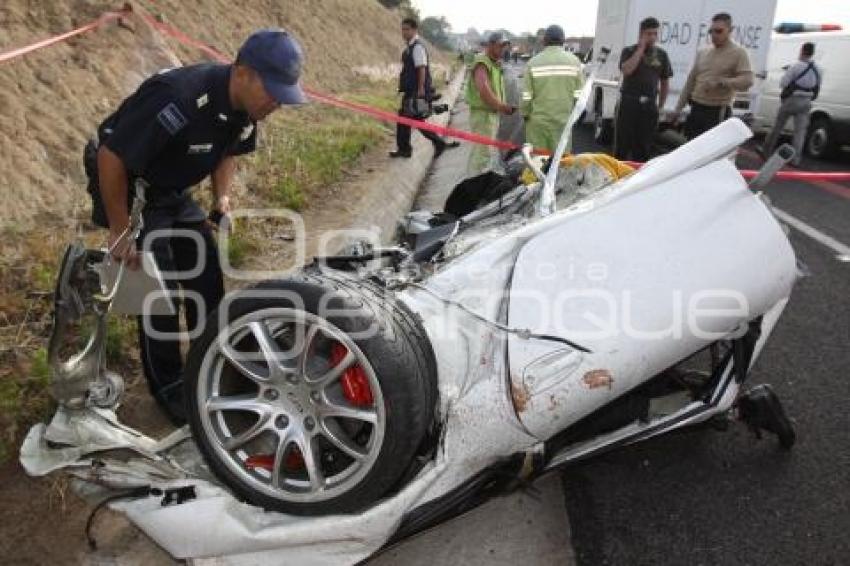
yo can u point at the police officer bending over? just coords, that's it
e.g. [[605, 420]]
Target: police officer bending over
[[179, 127]]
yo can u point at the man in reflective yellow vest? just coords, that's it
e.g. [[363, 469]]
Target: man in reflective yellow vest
[[551, 80], [485, 95]]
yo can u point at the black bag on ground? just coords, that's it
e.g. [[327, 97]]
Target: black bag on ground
[[475, 192]]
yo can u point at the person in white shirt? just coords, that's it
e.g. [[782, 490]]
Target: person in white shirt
[[800, 85], [417, 92]]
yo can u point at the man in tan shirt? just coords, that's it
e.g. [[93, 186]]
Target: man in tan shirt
[[718, 73]]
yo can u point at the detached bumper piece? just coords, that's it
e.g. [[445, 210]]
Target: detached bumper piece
[[761, 410]]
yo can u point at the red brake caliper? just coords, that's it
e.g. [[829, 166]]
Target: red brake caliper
[[355, 388], [355, 384], [262, 461], [294, 461]]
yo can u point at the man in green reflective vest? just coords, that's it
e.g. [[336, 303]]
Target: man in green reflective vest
[[551, 80], [485, 95]]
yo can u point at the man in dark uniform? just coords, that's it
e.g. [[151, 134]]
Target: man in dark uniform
[[415, 85], [181, 126], [646, 80]]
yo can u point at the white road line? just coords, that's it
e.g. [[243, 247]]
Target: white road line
[[842, 251]]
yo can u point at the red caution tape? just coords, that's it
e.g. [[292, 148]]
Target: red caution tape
[[808, 176], [382, 115], [443, 130], [420, 124], [104, 18], [339, 103], [166, 29], [214, 54]]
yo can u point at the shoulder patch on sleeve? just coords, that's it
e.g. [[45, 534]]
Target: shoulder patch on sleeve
[[172, 119]]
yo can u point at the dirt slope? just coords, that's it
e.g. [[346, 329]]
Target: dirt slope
[[51, 100]]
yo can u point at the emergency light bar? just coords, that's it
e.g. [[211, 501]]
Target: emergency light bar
[[793, 27]]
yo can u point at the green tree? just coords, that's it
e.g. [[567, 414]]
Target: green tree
[[436, 30], [404, 6]]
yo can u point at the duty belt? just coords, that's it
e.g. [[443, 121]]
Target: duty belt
[[640, 98]]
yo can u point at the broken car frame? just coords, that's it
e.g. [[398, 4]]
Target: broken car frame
[[534, 368]]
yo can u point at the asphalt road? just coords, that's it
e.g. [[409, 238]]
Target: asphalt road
[[703, 497]]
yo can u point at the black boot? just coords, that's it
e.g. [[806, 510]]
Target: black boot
[[761, 410], [442, 145]]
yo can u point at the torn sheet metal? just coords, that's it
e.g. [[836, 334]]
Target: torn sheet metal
[[82, 440], [648, 299], [215, 528], [215, 525]]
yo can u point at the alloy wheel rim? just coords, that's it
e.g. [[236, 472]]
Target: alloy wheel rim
[[272, 401]]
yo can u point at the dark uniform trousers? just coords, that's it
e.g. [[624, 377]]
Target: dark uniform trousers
[[408, 83], [702, 118], [402, 131], [635, 127], [161, 357]]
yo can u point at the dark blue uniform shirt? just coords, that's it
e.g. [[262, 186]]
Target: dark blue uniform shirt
[[174, 131]]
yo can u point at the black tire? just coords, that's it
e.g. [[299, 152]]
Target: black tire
[[398, 351], [404, 318], [820, 139]]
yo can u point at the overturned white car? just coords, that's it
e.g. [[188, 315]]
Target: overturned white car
[[385, 390]]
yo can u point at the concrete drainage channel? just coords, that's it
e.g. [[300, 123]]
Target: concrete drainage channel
[[374, 198], [393, 190]]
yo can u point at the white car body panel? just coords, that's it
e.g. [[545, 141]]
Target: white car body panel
[[680, 232]]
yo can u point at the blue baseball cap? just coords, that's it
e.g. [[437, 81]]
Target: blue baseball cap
[[277, 58]]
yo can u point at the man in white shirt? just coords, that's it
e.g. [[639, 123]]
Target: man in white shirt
[[417, 91], [800, 85]]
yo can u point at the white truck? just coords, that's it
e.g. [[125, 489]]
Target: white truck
[[684, 30], [829, 128]]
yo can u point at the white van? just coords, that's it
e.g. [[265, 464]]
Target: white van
[[830, 119], [684, 30]]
